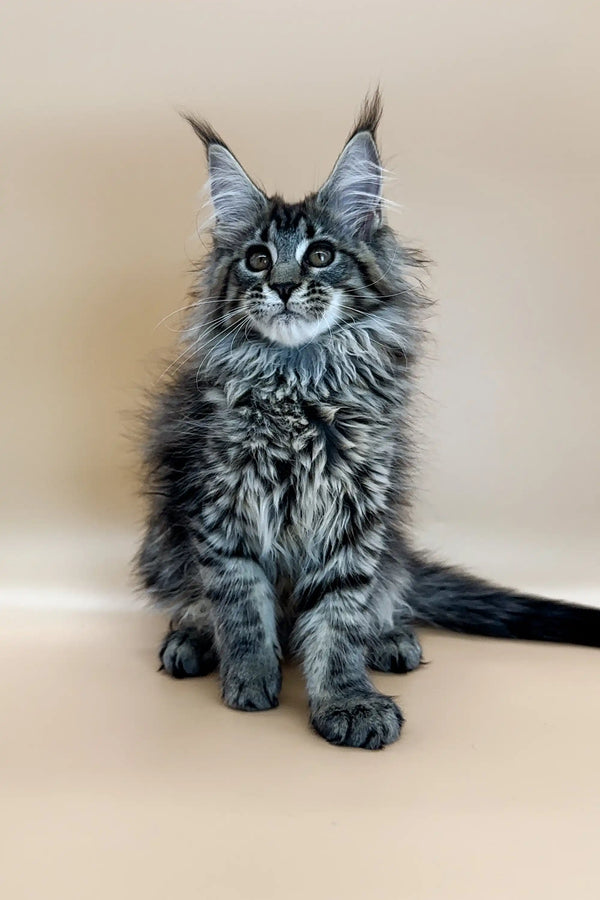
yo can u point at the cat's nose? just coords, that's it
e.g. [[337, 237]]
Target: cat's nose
[[284, 289]]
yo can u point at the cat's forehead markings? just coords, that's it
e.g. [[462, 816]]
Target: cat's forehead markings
[[292, 240], [290, 218], [290, 227]]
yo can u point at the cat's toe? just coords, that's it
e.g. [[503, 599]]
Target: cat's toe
[[397, 651], [370, 722], [253, 686], [187, 652]]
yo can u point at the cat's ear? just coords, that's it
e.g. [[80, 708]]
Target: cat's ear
[[235, 198], [353, 190]]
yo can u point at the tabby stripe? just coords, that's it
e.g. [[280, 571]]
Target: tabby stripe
[[225, 285], [310, 596], [363, 268]]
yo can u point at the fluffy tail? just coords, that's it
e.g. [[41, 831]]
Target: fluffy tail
[[446, 597]]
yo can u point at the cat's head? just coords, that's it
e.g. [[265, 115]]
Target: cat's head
[[291, 272]]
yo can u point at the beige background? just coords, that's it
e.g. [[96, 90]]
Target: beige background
[[491, 126], [118, 783]]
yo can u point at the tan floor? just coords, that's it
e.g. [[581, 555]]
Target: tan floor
[[118, 782]]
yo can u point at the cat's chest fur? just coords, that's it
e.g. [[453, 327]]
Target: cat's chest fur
[[294, 465]]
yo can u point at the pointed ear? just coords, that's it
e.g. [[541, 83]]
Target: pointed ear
[[235, 197], [353, 190]]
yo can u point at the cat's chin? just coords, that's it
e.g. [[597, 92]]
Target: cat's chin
[[291, 329]]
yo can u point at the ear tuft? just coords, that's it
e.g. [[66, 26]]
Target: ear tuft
[[236, 200], [369, 116], [204, 131], [353, 190]]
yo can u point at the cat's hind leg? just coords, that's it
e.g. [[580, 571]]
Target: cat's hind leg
[[396, 649], [188, 649], [394, 646], [163, 564]]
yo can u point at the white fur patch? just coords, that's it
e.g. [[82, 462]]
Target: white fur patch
[[290, 327]]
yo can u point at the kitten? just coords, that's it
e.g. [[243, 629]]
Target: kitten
[[278, 460]]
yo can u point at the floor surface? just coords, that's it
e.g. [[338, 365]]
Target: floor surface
[[118, 782]]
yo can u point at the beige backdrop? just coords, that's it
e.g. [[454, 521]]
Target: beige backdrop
[[119, 783], [491, 124]]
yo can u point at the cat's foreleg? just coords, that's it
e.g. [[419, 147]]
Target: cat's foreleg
[[243, 614], [333, 630]]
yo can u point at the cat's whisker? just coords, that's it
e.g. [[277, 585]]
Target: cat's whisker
[[191, 348], [183, 354], [230, 332]]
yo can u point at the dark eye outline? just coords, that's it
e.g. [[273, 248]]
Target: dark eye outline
[[258, 250], [320, 245]]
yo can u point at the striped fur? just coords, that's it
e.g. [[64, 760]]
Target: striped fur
[[278, 459]]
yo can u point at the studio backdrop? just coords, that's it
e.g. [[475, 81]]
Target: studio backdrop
[[492, 134]]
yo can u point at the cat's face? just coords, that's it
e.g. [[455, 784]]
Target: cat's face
[[296, 276], [293, 272]]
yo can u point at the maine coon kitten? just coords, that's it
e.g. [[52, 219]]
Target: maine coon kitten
[[278, 459]]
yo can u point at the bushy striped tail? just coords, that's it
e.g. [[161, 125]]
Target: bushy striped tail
[[447, 597]]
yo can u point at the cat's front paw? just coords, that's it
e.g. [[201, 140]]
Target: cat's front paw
[[252, 685], [370, 721]]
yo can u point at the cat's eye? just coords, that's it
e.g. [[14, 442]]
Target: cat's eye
[[320, 255], [258, 259]]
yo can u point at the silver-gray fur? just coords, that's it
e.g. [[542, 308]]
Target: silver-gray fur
[[278, 459]]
